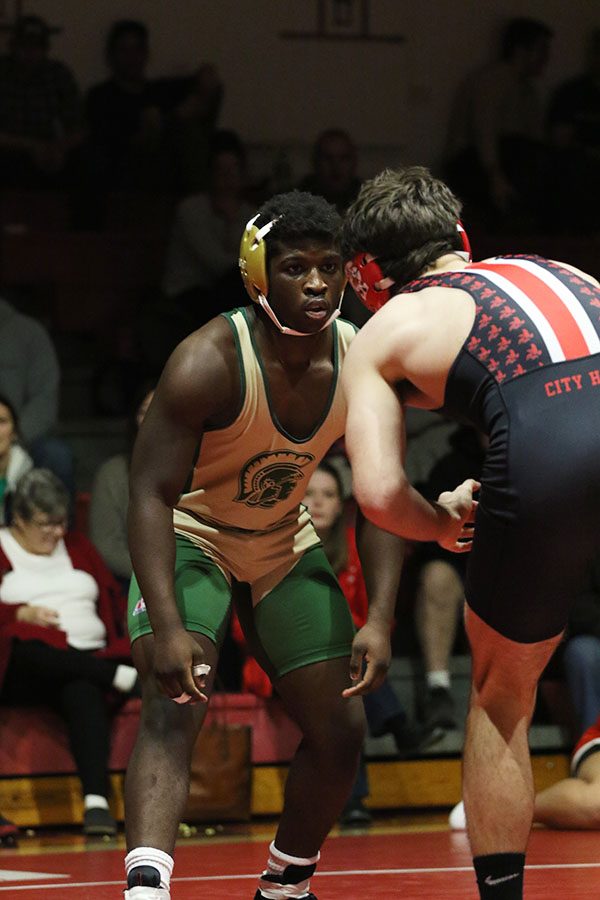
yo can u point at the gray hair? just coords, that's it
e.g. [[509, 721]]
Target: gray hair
[[39, 490]]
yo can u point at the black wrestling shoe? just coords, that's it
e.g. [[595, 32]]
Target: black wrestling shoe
[[259, 896]]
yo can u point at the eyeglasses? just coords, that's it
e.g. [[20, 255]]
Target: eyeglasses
[[47, 526]]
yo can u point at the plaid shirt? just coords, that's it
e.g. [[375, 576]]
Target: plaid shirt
[[44, 104]]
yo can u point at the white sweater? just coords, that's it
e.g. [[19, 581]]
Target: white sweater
[[51, 581]]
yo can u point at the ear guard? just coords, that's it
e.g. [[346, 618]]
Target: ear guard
[[372, 286], [368, 281], [466, 252], [253, 258]]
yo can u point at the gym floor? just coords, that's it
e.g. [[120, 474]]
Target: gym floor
[[413, 857]]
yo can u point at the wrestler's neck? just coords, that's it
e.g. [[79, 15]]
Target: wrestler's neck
[[292, 351], [449, 262]]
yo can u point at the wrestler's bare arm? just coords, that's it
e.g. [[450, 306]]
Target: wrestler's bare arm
[[375, 432], [198, 386]]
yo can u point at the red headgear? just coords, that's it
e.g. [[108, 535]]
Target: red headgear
[[372, 286]]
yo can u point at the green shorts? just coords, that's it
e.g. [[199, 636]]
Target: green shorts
[[304, 619]]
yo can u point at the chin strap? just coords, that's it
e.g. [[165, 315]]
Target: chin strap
[[264, 304]]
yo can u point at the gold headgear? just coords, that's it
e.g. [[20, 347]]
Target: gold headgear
[[253, 258]]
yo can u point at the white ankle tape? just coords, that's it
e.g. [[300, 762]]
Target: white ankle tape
[[292, 860], [283, 891], [150, 856], [276, 866]]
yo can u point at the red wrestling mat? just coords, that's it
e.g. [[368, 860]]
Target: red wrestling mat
[[413, 866]]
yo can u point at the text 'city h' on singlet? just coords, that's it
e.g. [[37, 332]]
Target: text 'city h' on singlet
[[528, 375], [253, 474]]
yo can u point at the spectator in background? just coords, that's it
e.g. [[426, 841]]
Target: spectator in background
[[574, 115], [574, 130], [8, 833], [334, 162], [334, 176], [59, 609], [571, 803], [29, 379], [324, 500], [581, 658], [40, 111], [205, 238], [496, 159], [201, 272], [440, 590], [14, 460], [110, 498], [138, 125]]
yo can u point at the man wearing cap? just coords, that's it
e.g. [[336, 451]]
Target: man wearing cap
[[40, 110]]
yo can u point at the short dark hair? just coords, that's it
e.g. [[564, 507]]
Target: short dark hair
[[39, 489], [4, 401], [300, 215], [120, 29], [406, 218], [523, 32]]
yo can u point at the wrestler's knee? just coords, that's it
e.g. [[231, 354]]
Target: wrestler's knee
[[338, 737]]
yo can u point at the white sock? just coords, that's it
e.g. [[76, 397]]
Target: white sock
[[276, 865], [438, 679], [95, 801], [124, 679], [150, 856]]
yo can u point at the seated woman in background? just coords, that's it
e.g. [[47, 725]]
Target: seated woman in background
[[110, 498], [14, 460], [62, 618], [324, 499]]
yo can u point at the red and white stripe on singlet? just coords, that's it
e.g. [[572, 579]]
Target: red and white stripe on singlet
[[562, 322]]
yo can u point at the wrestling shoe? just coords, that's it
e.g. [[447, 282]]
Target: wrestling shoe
[[147, 893], [259, 896], [588, 743]]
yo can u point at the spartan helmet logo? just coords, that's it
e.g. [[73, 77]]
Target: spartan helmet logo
[[270, 477]]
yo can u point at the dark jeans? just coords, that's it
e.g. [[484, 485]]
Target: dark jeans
[[380, 706], [73, 683], [582, 668]]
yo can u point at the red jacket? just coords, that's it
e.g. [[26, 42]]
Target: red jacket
[[112, 607]]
